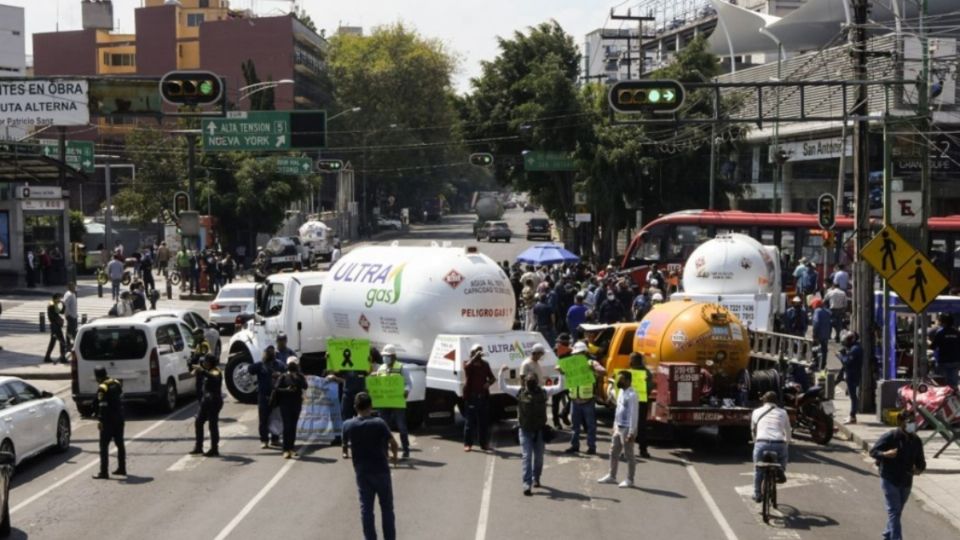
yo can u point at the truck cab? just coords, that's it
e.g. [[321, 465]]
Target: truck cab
[[611, 345], [284, 303]]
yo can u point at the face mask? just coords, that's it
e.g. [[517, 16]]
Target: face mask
[[911, 427]]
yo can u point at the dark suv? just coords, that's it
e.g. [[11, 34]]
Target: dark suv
[[538, 228]]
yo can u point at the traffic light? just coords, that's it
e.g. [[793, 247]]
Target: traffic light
[[181, 203], [827, 211], [663, 96], [829, 239], [481, 159], [329, 165], [191, 88]]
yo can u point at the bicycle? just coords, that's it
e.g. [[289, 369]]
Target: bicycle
[[771, 471]]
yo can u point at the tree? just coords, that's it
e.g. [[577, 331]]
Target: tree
[[404, 140], [301, 15], [260, 100], [527, 99], [161, 170], [77, 227]]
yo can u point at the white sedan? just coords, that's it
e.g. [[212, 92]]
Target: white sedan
[[31, 421]]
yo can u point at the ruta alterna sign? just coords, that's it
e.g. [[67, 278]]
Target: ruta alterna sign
[[43, 102]]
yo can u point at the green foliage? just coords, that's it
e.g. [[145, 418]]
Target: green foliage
[[161, 163], [527, 99], [77, 228], [405, 135], [301, 15]]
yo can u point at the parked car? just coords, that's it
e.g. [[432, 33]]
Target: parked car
[[510, 204], [529, 207], [32, 421], [389, 224], [494, 230], [539, 228], [193, 320], [148, 353], [233, 300]]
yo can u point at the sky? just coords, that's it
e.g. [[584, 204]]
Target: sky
[[469, 29]]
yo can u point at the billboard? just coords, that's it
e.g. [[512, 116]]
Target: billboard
[[43, 102]]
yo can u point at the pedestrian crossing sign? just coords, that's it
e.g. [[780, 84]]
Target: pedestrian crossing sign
[[887, 252], [918, 282]]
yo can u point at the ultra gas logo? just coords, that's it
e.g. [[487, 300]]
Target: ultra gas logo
[[386, 295]]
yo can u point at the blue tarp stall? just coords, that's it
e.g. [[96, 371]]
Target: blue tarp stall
[[942, 304]]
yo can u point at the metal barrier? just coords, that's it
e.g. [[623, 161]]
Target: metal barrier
[[771, 347]]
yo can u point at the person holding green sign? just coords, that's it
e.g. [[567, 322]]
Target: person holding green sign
[[581, 372], [398, 416]]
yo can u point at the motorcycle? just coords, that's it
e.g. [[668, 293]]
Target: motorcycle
[[814, 414]]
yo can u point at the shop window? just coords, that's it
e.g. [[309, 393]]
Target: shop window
[[194, 19]]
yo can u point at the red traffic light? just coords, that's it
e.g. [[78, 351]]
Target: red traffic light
[[191, 88]]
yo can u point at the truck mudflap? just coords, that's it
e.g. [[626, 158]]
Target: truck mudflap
[[701, 416]]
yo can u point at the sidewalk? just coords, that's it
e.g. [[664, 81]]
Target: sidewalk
[[938, 488]]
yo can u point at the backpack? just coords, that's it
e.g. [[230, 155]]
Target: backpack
[[532, 409]]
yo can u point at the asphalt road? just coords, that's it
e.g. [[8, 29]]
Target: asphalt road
[[699, 489]]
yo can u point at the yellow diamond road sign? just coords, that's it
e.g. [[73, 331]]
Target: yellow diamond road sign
[[887, 252], [918, 282]]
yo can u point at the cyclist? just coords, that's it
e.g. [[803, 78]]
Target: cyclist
[[771, 433]]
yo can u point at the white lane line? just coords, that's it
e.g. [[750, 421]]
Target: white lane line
[[711, 504], [485, 497], [91, 464], [233, 431], [256, 499]]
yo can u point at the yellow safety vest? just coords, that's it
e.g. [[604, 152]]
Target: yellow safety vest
[[583, 392], [638, 380]]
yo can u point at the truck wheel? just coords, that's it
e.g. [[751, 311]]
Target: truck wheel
[[416, 414], [241, 384]]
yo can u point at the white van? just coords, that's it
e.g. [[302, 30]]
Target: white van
[[150, 355]]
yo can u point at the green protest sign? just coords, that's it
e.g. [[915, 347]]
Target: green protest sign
[[345, 354], [386, 391], [576, 371]]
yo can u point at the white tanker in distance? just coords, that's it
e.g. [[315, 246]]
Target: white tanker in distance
[[432, 303], [739, 273]]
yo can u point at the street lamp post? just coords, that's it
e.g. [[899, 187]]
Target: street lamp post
[[255, 88], [320, 152]]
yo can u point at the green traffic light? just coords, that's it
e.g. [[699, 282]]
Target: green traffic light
[[206, 88], [653, 96]]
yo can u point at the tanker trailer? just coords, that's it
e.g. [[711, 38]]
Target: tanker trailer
[[488, 207], [407, 296]]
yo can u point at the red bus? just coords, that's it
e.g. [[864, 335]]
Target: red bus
[[668, 240]]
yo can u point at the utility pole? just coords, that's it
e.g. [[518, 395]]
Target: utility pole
[[923, 111], [191, 163], [863, 284], [630, 39]]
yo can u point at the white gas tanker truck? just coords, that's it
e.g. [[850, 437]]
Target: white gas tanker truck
[[432, 303]]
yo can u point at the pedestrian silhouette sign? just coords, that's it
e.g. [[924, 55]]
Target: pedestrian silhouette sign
[[918, 282], [887, 252]]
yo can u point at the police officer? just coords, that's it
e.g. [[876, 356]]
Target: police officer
[[55, 316], [398, 416], [267, 371], [110, 421], [209, 392]]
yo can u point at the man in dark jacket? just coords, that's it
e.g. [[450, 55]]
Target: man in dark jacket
[[210, 394], [476, 397], [110, 421], [899, 454], [852, 359], [266, 371], [55, 316], [795, 318]]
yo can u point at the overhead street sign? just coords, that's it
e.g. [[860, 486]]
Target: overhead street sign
[[294, 166], [918, 283], [908, 272], [79, 153], [265, 131], [545, 161], [43, 102]]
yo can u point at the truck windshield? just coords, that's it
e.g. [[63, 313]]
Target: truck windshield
[[272, 300]]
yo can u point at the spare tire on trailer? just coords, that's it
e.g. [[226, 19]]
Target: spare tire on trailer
[[241, 384]]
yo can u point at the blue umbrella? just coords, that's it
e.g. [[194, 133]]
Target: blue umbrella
[[546, 254]]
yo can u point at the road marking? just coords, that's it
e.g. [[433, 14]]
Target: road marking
[[711, 504], [485, 497], [256, 499], [91, 464], [230, 433]]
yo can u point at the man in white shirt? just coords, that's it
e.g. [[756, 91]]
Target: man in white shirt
[[771, 433], [70, 311], [625, 421], [836, 302], [335, 254], [841, 278], [115, 273], [532, 363]]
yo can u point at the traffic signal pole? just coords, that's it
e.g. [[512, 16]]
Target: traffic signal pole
[[191, 164]]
